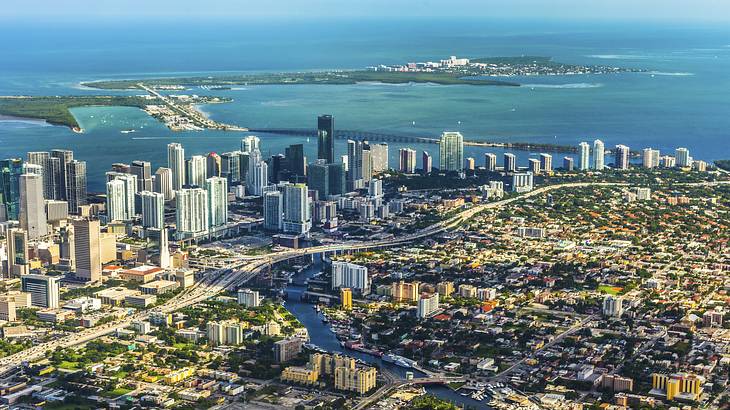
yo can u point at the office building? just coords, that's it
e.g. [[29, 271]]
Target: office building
[[621, 157], [683, 160], [44, 290], [213, 165], [350, 275], [273, 211], [427, 305], [176, 163], [63, 157], [407, 160], [379, 157], [143, 171], [568, 164], [51, 173], [248, 298], [599, 154], [231, 166], [251, 143], [427, 161], [490, 162], [76, 185], [451, 148], [546, 163], [153, 209], [217, 189], [346, 298], [87, 249], [56, 210], [584, 150], [197, 171], [163, 183], [32, 206], [296, 209], [10, 172], [522, 182], [191, 212], [510, 162], [296, 161], [17, 246], [613, 306], [318, 178], [326, 138], [337, 178]]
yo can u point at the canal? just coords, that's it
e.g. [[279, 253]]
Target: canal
[[320, 335]]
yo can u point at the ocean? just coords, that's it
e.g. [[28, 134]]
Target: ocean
[[681, 101]]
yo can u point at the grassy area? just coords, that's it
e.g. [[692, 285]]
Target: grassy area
[[119, 391], [610, 290], [68, 365], [56, 110]]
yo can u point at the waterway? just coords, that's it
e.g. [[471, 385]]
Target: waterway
[[321, 336]]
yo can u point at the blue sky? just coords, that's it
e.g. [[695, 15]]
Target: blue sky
[[680, 10]]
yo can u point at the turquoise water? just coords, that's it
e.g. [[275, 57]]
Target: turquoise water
[[683, 103]]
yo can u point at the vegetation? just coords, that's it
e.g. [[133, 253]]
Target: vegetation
[[431, 403]]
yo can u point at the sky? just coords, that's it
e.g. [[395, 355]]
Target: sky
[[670, 10]]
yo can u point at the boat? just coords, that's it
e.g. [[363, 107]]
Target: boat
[[129, 131]]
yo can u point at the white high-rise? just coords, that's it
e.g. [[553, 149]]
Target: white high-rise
[[273, 211], [379, 157], [546, 162], [250, 143], [32, 213], [257, 177], [599, 153], [217, 188], [176, 162], [163, 182], [153, 209], [510, 162], [490, 161], [585, 156], [191, 212], [296, 209], [350, 275], [407, 160], [120, 193], [452, 151], [682, 157], [650, 158], [197, 168], [427, 305]]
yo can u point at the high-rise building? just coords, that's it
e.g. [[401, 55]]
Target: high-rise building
[[44, 290], [427, 161], [650, 158], [287, 349], [17, 244], [10, 172], [296, 161], [64, 158], [613, 306], [379, 156], [585, 156], [251, 143], [191, 212], [259, 178], [337, 178], [163, 183], [682, 157], [153, 209], [367, 162], [213, 165], [143, 171], [273, 211], [490, 162], [427, 305], [217, 188], [277, 168], [176, 163], [51, 172], [164, 249], [346, 298], [32, 206], [67, 247], [248, 298], [546, 163], [451, 149], [197, 170], [599, 154], [533, 165], [470, 164], [510, 162], [76, 185], [350, 275], [522, 182], [87, 249], [120, 197], [568, 164], [407, 160], [297, 217], [354, 163], [318, 178], [231, 166], [621, 158], [326, 138]]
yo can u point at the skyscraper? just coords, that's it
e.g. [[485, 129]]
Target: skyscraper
[[326, 138], [599, 153], [273, 211], [350, 275], [533, 165], [379, 157], [44, 290], [490, 162], [568, 163], [318, 178], [231, 166], [213, 165], [407, 160], [163, 183], [17, 243], [153, 209], [621, 160], [120, 195], [64, 158], [427, 161], [176, 163], [546, 162], [296, 209], [197, 170], [510, 162], [470, 164], [164, 249], [191, 212], [51, 173], [143, 171], [32, 206], [650, 158], [683, 159], [87, 249], [296, 162], [585, 156], [76, 185], [217, 188], [259, 178], [452, 151], [367, 162], [10, 172], [250, 143], [336, 176], [354, 164]]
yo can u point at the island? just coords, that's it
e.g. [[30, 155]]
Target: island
[[451, 71]]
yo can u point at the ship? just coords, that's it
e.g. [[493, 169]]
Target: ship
[[398, 360]]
